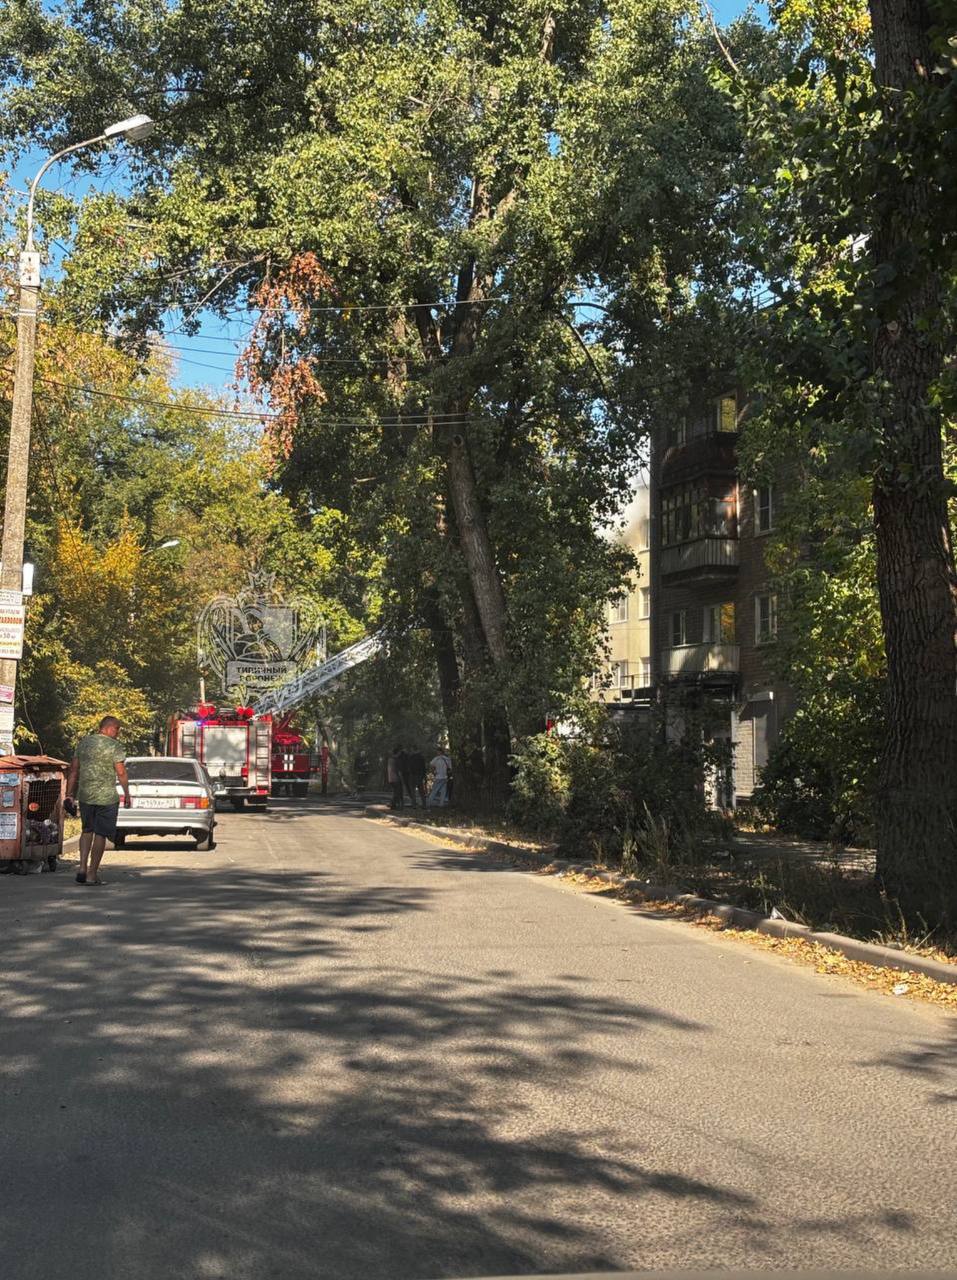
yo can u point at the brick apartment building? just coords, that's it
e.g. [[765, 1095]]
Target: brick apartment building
[[714, 612], [695, 632]]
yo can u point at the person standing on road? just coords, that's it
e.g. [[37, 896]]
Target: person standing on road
[[441, 766], [394, 778], [404, 763], [360, 772], [95, 770], [417, 777]]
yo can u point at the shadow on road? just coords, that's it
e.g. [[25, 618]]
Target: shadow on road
[[932, 1063], [225, 1083]]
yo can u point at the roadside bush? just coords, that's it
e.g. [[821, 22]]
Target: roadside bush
[[621, 793], [820, 779], [540, 785]]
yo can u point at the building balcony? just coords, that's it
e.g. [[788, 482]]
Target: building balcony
[[711, 454], [703, 660], [627, 690], [704, 557]]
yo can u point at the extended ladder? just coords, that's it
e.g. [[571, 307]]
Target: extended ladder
[[286, 696]]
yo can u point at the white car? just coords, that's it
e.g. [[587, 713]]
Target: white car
[[171, 796]]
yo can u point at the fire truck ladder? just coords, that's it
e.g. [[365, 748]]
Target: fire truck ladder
[[286, 696]]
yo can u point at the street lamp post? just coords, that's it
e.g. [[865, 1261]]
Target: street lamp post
[[21, 415]]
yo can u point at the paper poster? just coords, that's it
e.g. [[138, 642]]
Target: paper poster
[[11, 631], [8, 826], [10, 599], [6, 723], [7, 692]]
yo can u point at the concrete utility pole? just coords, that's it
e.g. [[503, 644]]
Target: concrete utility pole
[[21, 416]]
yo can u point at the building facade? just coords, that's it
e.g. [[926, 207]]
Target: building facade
[[626, 681], [715, 615]]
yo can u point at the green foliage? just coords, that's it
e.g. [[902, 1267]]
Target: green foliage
[[609, 796], [112, 626], [373, 166], [541, 785]]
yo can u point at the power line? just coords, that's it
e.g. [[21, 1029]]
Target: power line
[[391, 420]]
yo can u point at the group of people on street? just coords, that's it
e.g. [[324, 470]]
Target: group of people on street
[[407, 773], [98, 768]]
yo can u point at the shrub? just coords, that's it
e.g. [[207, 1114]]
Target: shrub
[[820, 780], [540, 784], [620, 793]]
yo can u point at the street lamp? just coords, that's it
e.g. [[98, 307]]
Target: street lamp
[[21, 413]]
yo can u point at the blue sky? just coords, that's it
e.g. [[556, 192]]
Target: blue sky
[[207, 359]]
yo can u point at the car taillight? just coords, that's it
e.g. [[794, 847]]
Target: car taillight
[[194, 802], [244, 771]]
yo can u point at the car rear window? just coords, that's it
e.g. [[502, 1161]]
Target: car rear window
[[162, 771]]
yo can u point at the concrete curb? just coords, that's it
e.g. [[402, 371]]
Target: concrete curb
[[734, 917]]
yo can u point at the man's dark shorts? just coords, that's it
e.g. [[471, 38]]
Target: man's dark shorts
[[100, 818]]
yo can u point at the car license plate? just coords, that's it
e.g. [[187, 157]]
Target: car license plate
[[151, 802]]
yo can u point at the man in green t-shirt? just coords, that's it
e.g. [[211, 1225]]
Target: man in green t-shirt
[[97, 767]]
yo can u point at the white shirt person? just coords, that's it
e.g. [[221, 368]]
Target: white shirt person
[[441, 767]]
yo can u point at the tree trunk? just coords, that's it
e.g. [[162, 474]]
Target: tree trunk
[[917, 803], [476, 547]]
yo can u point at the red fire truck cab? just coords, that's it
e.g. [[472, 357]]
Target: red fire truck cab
[[235, 746], [292, 765]]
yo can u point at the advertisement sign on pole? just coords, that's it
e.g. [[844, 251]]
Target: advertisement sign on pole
[[11, 628]]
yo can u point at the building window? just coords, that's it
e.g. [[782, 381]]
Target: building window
[[764, 509], [644, 602], [645, 672], [643, 534], [727, 413], [619, 674], [690, 512], [679, 628], [765, 618], [619, 609], [719, 624]]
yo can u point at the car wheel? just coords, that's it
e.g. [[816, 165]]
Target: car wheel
[[237, 802], [300, 788], [119, 840], [205, 840]]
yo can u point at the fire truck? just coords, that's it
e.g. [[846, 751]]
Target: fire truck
[[235, 745], [292, 766]]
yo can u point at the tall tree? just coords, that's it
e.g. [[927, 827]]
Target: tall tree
[[849, 221], [397, 191]]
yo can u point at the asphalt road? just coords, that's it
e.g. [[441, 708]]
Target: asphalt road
[[331, 1048]]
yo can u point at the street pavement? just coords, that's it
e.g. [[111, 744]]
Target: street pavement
[[333, 1048]]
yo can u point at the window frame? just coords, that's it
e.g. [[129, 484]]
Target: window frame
[[644, 604], [619, 606], [675, 615], [762, 637], [760, 530]]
